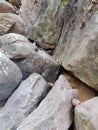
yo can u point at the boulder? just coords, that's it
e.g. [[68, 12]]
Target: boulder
[[77, 48], [86, 115], [16, 46], [44, 20], [39, 62], [54, 112], [10, 77], [16, 3], [62, 81], [24, 100], [11, 23], [6, 7], [11, 38]]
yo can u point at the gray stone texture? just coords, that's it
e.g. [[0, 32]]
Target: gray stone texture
[[44, 20], [16, 46], [86, 115], [10, 77], [54, 112], [77, 49], [23, 101]]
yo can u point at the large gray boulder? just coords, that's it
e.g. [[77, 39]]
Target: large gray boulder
[[44, 20], [54, 112], [23, 101], [10, 77], [86, 115], [77, 49], [39, 62], [16, 46], [11, 23]]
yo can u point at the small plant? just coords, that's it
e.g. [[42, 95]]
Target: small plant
[[65, 2]]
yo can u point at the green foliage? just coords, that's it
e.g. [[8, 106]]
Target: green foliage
[[65, 2]]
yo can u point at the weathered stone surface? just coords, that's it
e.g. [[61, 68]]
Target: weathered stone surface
[[86, 115], [17, 3], [54, 112], [78, 47], [39, 62], [44, 20], [10, 38], [11, 23], [6, 7], [17, 50], [24, 100], [10, 76], [15, 46], [62, 81], [5, 24]]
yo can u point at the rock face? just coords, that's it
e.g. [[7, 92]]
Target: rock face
[[24, 100], [15, 46], [54, 112], [6, 7], [10, 76], [78, 47], [44, 20], [39, 62], [11, 23], [86, 115]]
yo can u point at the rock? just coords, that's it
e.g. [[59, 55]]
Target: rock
[[24, 100], [10, 77], [39, 62], [5, 24], [11, 23], [54, 112], [77, 49], [75, 102], [44, 20], [86, 115], [6, 7], [62, 81], [16, 3], [15, 46], [17, 50], [11, 38]]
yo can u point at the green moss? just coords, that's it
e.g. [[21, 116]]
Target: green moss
[[65, 2]]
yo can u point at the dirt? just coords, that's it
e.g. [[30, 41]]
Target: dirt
[[85, 92]]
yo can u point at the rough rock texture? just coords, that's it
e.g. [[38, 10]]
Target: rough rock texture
[[11, 38], [77, 49], [6, 7], [86, 115], [15, 46], [54, 112], [17, 3], [62, 81], [24, 100], [39, 62], [10, 76], [11, 23], [44, 20]]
